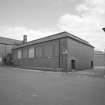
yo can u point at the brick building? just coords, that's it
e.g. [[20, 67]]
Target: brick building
[[59, 52], [99, 58], [6, 44]]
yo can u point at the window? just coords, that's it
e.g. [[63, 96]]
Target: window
[[38, 51], [56, 50], [8, 48], [48, 49], [19, 54], [31, 53], [14, 52], [24, 52]]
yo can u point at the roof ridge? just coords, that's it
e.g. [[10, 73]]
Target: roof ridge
[[76, 37]]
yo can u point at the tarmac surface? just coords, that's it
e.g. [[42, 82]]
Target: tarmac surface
[[33, 87]]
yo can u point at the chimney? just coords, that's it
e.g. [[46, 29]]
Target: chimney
[[24, 39]]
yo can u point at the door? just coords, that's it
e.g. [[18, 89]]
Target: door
[[72, 64], [92, 64]]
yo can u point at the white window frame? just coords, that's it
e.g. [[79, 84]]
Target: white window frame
[[19, 54], [24, 52], [31, 52]]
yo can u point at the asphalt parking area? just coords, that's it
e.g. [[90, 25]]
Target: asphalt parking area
[[25, 87]]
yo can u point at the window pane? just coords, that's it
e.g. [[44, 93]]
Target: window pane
[[19, 54], [56, 50], [15, 56], [24, 53], [31, 52], [48, 49], [8, 48], [38, 52]]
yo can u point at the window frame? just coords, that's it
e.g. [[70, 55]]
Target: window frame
[[26, 53], [32, 53], [19, 54], [39, 51], [48, 55]]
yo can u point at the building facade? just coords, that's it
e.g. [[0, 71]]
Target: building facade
[[59, 52], [99, 58], [6, 45]]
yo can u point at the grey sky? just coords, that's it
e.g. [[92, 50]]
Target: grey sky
[[39, 18], [34, 13]]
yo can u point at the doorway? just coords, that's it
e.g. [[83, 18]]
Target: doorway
[[92, 64], [73, 64]]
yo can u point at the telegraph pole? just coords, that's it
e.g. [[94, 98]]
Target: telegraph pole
[[104, 49]]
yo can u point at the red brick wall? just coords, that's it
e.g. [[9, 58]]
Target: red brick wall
[[43, 61], [81, 53]]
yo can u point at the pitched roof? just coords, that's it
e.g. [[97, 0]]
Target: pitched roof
[[8, 41], [55, 36]]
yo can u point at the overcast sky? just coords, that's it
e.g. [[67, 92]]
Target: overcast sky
[[39, 18]]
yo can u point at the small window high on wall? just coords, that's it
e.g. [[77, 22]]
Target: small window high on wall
[[19, 54], [31, 52]]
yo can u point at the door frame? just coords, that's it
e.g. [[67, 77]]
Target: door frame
[[73, 64]]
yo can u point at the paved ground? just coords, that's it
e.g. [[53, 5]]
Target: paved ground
[[23, 87]]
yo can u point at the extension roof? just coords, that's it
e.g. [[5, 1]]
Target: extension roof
[[9, 41], [55, 36]]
